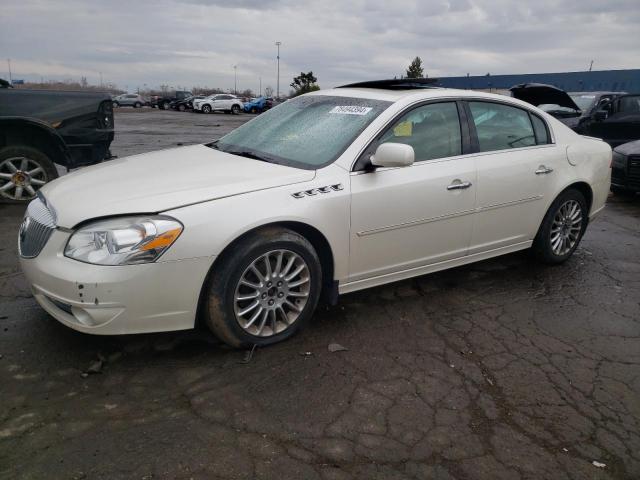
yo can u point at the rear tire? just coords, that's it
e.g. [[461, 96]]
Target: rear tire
[[562, 228], [29, 168], [235, 109], [285, 299]]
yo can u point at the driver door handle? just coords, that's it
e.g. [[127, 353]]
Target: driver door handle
[[459, 186], [542, 170]]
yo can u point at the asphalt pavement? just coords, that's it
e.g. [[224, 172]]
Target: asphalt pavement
[[504, 369]]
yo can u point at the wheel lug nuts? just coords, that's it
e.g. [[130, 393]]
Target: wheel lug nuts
[[269, 284], [279, 284], [270, 302], [280, 295], [264, 295]]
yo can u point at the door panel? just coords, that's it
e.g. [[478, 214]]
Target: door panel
[[511, 197], [403, 218]]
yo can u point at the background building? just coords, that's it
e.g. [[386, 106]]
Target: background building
[[602, 80]]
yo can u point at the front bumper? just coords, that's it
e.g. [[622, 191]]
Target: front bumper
[[112, 300]]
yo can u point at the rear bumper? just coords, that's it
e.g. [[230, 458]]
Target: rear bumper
[[112, 300]]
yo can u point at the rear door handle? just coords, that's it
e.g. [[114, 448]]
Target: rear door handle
[[458, 186], [542, 170]]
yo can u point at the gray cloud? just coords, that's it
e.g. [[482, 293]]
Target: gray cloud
[[196, 42]]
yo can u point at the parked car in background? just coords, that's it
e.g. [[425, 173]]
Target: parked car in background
[[221, 102], [611, 116], [625, 169], [331, 192], [42, 128], [129, 100], [257, 105], [185, 103], [164, 102]]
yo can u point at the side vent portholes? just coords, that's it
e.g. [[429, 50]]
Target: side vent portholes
[[315, 191]]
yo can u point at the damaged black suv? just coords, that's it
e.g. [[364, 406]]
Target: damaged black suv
[[40, 129]]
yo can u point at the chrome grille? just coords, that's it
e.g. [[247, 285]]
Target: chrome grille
[[37, 226]]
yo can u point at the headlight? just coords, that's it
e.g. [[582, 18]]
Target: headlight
[[123, 241]]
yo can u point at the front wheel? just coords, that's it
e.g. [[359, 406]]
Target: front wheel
[[206, 109], [235, 109], [265, 290], [562, 228], [23, 170], [137, 105]]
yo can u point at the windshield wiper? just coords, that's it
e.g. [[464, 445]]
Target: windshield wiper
[[249, 154]]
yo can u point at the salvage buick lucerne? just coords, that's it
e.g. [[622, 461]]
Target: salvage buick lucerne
[[328, 193]]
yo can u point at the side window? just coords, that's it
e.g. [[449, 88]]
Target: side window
[[540, 129], [432, 130], [500, 127]]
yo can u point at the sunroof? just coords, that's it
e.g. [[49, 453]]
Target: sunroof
[[395, 84]]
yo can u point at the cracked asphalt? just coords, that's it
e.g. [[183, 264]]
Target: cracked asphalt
[[504, 369]]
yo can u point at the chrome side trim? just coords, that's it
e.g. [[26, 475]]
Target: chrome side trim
[[414, 223]]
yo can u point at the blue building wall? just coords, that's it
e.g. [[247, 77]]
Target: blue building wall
[[602, 80]]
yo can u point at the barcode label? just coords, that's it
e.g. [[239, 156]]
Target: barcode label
[[350, 110]]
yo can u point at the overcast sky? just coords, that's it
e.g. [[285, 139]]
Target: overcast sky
[[197, 42]]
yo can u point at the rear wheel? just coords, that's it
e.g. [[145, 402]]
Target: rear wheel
[[562, 228], [235, 109], [23, 170], [265, 290]]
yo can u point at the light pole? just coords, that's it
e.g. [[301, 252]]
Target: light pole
[[260, 86], [278, 81], [235, 79], [9, 63]]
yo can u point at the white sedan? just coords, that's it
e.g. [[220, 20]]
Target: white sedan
[[328, 193]]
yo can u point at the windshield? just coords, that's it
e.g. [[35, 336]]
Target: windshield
[[584, 102], [305, 132]]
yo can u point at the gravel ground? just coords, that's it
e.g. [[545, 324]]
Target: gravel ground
[[504, 369]]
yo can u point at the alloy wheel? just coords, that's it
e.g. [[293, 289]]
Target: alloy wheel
[[566, 227], [272, 293], [20, 178]]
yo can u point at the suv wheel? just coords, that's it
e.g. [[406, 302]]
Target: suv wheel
[[265, 290], [562, 228], [165, 105], [235, 109], [23, 170], [137, 105], [206, 109]]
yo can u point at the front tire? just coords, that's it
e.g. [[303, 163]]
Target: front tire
[[137, 105], [206, 109], [562, 228], [23, 170], [235, 109], [265, 289]]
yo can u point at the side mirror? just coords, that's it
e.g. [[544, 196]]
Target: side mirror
[[393, 155], [601, 115]]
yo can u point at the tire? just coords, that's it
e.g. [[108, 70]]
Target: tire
[[137, 105], [181, 107], [26, 185], [224, 314], [235, 109], [165, 105], [572, 206], [206, 109]]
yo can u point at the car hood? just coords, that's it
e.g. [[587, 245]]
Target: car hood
[[631, 148], [159, 181], [540, 94]]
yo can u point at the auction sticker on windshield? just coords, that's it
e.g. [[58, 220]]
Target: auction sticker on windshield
[[350, 110]]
